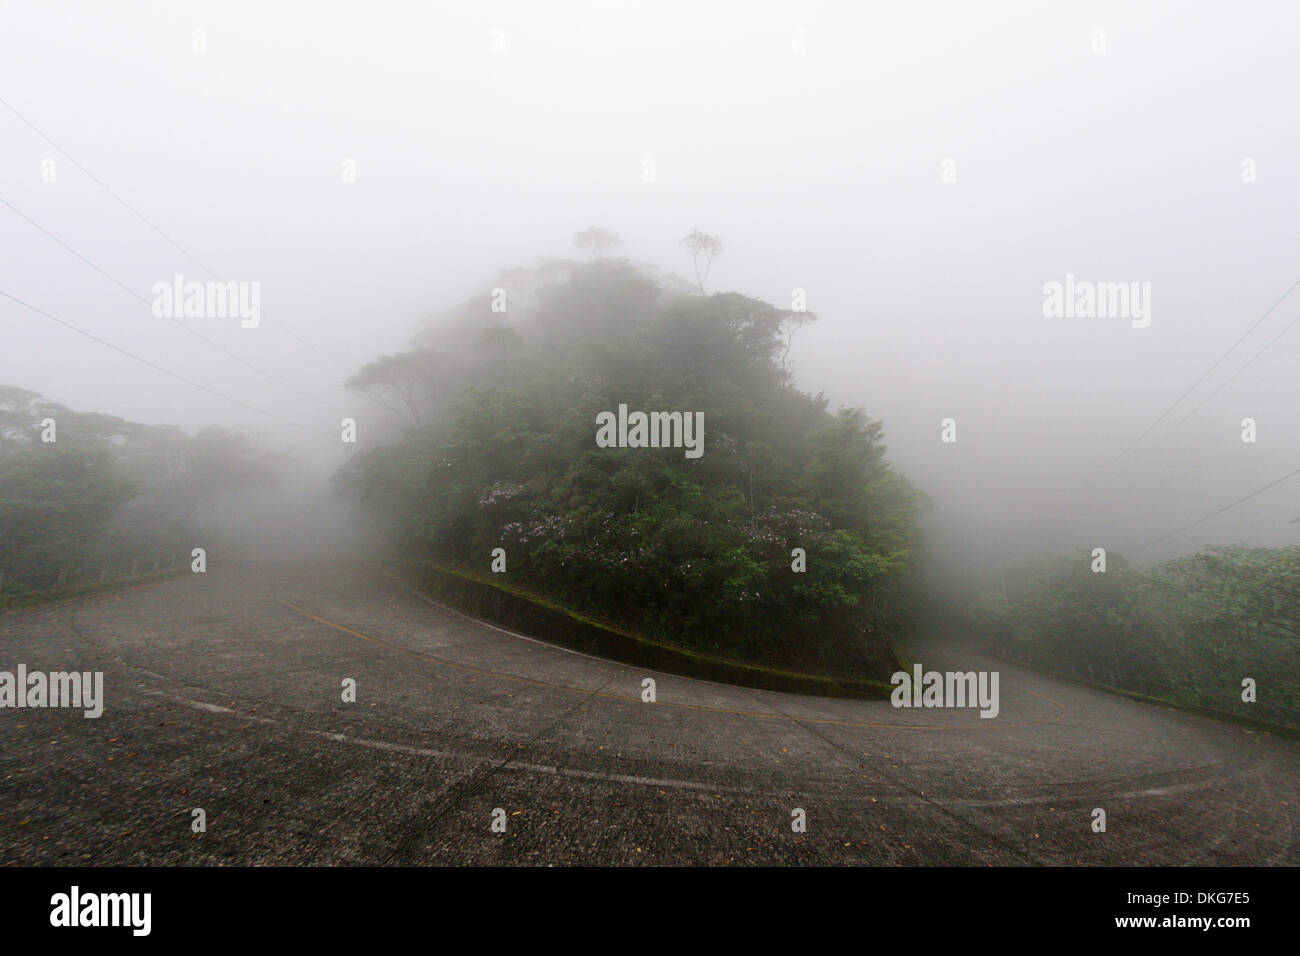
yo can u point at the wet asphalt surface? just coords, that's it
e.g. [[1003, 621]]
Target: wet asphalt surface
[[223, 691]]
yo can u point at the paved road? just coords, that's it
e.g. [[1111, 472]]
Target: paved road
[[223, 691]]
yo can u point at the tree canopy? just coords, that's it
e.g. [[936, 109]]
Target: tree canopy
[[83, 492], [698, 552]]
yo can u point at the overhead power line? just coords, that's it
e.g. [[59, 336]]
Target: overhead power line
[[1165, 414], [1205, 401], [157, 367], [170, 241], [1220, 511], [124, 287]]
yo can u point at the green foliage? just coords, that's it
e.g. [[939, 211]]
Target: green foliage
[[695, 552], [1192, 626], [107, 496], [52, 507]]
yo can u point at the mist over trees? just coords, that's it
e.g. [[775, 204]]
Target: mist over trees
[[1188, 629], [501, 395], [85, 495]]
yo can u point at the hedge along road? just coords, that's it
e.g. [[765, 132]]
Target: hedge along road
[[223, 691]]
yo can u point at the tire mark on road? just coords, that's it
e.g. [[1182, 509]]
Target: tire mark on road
[[421, 832], [920, 795]]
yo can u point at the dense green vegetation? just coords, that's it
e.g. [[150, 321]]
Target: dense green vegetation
[[500, 452], [106, 497], [1188, 629]]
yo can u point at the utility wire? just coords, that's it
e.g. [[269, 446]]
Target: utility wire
[[170, 241], [1163, 415], [132, 292], [1213, 514], [154, 365], [1207, 398], [1096, 489]]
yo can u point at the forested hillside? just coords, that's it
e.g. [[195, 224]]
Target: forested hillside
[[501, 451], [1189, 629], [85, 496]]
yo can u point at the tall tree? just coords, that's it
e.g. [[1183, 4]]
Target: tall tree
[[703, 249]]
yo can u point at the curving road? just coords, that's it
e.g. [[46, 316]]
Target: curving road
[[223, 691]]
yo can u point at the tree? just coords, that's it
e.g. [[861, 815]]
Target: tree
[[54, 502], [695, 551], [846, 455], [502, 339], [407, 383], [792, 323], [108, 494], [220, 462], [595, 240], [703, 248]]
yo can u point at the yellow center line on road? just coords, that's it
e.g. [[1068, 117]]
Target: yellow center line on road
[[515, 678]]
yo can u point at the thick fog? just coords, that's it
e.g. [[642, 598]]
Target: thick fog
[[922, 172]]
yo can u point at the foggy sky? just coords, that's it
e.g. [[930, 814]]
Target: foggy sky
[[819, 169]]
